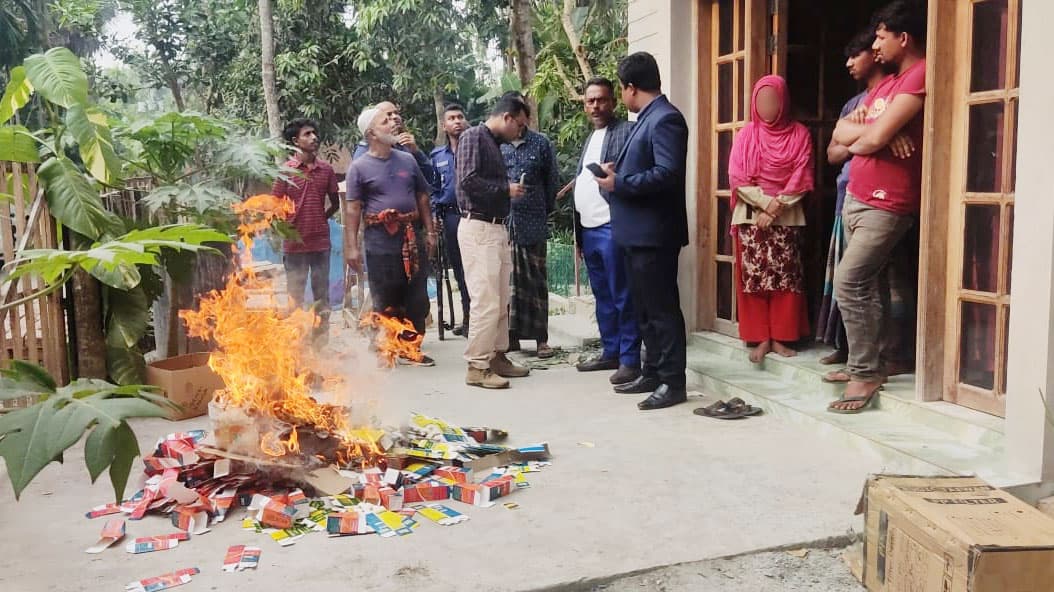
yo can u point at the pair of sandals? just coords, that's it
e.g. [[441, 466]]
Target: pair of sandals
[[732, 409]]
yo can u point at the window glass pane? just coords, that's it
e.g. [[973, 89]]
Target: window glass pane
[[724, 290], [742, 23], [981, 248], [977, 345], [724, 150], [988, 71], [724, 36], [984, 167], [725, 92], [745, 99], [724, 223]]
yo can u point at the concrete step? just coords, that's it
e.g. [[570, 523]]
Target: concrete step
[[904, 434]]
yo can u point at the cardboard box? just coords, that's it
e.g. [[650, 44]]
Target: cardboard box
[[186, 380], [953, 534]]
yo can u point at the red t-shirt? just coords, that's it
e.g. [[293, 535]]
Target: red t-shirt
[[309, 199], [882, 180]]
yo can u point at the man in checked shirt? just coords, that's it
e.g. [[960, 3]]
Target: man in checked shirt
[[308, 254]]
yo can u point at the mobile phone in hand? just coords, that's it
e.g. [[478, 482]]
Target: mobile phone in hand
[[596, 170]]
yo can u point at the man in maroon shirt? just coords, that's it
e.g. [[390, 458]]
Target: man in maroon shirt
[[309, 253], [884, 193]]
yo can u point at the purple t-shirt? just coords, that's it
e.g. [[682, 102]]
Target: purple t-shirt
[[382, 184]]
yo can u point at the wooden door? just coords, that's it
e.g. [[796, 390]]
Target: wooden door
[[981, 212], [738, 34]]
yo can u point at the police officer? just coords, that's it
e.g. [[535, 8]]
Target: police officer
[[444, 201]]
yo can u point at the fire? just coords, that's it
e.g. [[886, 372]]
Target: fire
[[396, 338], [261, 354]]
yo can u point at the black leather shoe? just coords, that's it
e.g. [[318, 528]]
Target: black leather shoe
[[598, 363], [663, 397], [625, 374], [641, 384], [461, 331]]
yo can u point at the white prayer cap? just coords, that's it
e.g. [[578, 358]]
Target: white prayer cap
[[366, 119]]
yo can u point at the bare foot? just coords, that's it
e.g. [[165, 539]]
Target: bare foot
[[783, 350], [760, 351]]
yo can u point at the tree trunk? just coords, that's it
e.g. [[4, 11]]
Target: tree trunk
[[574, 39], [523, 46], [177, 92], [87, 320], [440, 100], [270, 91]]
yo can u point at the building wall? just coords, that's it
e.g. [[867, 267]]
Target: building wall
[[1030, 373], [665, 29]]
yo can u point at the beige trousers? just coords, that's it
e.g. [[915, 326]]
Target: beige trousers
[[487, 257]]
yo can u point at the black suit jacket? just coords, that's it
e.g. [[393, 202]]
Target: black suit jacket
[[648, 203]]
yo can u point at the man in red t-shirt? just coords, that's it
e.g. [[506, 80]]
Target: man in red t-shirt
[[885, 188], [308, 254]]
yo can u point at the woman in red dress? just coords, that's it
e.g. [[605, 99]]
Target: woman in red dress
[[770, 171]]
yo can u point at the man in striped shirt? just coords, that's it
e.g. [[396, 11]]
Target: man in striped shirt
[[308, 253]]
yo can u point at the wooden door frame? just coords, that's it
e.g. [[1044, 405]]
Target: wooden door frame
[[756, 65]]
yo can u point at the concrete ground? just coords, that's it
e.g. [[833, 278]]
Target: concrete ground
[[627, 491]]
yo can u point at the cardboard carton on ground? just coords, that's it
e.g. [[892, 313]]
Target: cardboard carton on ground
[[953, 534], [186, 380]]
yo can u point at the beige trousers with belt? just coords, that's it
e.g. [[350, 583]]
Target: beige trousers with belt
[[487, 257]]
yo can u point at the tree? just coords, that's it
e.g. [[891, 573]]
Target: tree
[[270, 92], [523, 44]]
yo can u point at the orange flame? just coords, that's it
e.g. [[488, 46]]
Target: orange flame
[[261, 353], [396, 338]]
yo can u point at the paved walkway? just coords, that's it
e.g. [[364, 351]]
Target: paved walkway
[[627, 490]]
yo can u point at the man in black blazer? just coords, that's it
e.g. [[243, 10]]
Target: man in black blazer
[[650, 222]]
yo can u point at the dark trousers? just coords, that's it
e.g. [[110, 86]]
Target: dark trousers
[[652, 274], [393, 293], [451, 218], [298, 267], [616, 318]]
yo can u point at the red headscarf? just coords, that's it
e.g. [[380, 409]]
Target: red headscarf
[[774, 155]]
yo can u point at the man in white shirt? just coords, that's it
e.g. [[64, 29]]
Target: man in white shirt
[[604, 259]]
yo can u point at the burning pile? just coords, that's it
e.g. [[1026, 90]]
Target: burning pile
[[269, 404], [433, 462]]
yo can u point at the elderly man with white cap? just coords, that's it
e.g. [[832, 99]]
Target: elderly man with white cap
[[387, 190]]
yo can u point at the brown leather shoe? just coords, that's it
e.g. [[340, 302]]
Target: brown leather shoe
[[485, 378], [503, 366]]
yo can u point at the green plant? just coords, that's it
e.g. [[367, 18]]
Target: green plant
[[79, 157], [33, 437]]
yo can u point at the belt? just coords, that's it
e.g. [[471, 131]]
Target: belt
[[483, 218]]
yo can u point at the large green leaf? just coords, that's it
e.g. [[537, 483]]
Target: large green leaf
[[125, 363], [91, 128], [16, 145], [16, 95], [116, 262], [57, 75], [74, 201], [30, 373], [24, 442], [33, 437], [128, 317], [126, 448], [198, 197]]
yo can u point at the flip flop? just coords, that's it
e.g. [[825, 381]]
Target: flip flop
[[867, 400], [719, 410], [737, 405]]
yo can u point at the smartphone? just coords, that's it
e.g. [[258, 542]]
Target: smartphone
[[596, 170]]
